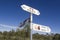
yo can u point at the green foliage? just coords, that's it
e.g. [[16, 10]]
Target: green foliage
[[24, 35], [56, 37]]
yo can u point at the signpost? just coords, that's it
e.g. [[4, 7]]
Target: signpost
[[42, 28], [34, 26], [30, 9]]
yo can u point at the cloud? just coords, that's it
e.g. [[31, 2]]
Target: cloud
[[2, 25], [7, 27]]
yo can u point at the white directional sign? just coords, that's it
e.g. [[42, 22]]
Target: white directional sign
[[30, 9], [41, 28]]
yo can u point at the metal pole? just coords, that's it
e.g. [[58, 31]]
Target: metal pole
[[31, 26]]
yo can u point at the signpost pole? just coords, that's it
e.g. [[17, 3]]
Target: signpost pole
[[30, 26]]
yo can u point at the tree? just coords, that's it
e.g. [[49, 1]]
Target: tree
[[56, 37]]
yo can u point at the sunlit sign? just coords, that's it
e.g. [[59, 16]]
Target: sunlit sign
[[30, 9], [41, 28]]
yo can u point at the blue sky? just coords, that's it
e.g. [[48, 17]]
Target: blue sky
[[12, 14]]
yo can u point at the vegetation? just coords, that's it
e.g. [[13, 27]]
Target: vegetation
[[24, 35]]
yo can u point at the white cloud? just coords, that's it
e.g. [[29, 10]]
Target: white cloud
[[7, 27]]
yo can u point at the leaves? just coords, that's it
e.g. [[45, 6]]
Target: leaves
[[25, 35]]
